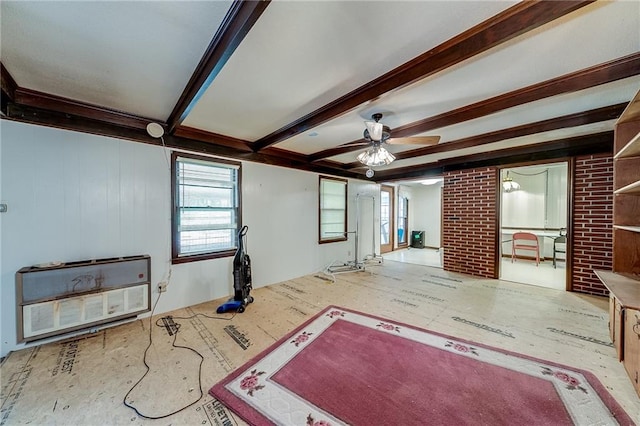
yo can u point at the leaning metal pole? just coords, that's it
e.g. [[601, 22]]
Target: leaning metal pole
[[373, 255]]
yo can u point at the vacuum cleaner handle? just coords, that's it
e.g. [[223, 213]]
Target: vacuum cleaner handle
[[243, 231]]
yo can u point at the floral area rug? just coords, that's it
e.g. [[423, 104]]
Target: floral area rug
[[345, 367]]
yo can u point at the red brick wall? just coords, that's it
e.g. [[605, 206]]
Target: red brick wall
[[469, 221], [592, 221]]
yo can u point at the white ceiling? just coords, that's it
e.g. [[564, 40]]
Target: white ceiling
[[302, 55], [130, 56], [138, 58]]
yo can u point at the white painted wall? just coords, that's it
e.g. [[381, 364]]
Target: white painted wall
[[541, 201], [74, 196], [557, 198], [426, 212]]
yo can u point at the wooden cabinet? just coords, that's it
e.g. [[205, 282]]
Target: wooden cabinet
[[632, 346], [624, 320], [616, 324], [623, 282]]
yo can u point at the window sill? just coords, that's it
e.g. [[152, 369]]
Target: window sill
[[333, 240], [206, 256]]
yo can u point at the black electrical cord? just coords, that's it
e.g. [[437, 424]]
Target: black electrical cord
[[173, 344]]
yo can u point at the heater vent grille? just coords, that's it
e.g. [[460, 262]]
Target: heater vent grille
[[79, 295]]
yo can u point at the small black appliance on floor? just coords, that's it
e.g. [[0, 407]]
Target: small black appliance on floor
[[417, 239], [241, 278]]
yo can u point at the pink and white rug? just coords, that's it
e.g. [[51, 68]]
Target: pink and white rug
[[345, 367]]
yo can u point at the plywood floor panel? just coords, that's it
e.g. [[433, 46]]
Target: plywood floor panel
[[82, 381]]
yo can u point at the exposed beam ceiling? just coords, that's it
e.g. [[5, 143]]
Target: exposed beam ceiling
[[499, 29], [241, 17], [559, 79]]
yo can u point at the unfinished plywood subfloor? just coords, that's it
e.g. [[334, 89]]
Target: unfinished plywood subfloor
[[83, 381]]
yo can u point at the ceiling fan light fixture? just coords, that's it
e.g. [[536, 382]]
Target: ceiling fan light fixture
[[375, 130], [376, 156], [509, 185]]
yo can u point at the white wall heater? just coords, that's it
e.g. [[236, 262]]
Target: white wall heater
[[56, 299]]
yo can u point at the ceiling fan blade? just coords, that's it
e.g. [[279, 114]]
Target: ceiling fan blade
[[415, 140], [358, 143], [375, 130]]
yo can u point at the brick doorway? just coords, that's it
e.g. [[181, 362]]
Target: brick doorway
[[534, 199]]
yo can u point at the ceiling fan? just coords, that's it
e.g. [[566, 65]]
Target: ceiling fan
[[377, 134]]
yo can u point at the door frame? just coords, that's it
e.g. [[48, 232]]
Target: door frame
[[386, 248]]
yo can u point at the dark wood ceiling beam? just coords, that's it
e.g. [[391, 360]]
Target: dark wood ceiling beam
[[204, 136], [562, 148], [285, 154], [241, 17], [597, 115], [607, 72], [60, 120], [331, 152], [618, 69], [516, 20], [49, 102], [80, 123], [576, 145], [262, 158], [303, 158], [8, 88]]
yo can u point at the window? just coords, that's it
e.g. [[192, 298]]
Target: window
[[206, 207], [333, 209], [403, 220]]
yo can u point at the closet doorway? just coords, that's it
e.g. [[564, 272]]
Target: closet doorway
[[386, 218]]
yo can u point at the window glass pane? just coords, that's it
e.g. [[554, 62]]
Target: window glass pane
[[198, 196], [403, 204], [332, 224], [333, 208], [207, 206], [199, 219], [385, 216], [197, 242]]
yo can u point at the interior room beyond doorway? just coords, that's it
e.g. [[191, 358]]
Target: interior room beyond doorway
[[417, 214], [534, 202]]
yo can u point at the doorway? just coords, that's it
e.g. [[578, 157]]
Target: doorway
[[386, 218], [534, 204]]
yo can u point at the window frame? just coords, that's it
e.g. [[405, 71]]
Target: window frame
[[176, 256], [338, 237]]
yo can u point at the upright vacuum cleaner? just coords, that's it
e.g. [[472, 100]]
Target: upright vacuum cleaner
[[241, 278]]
